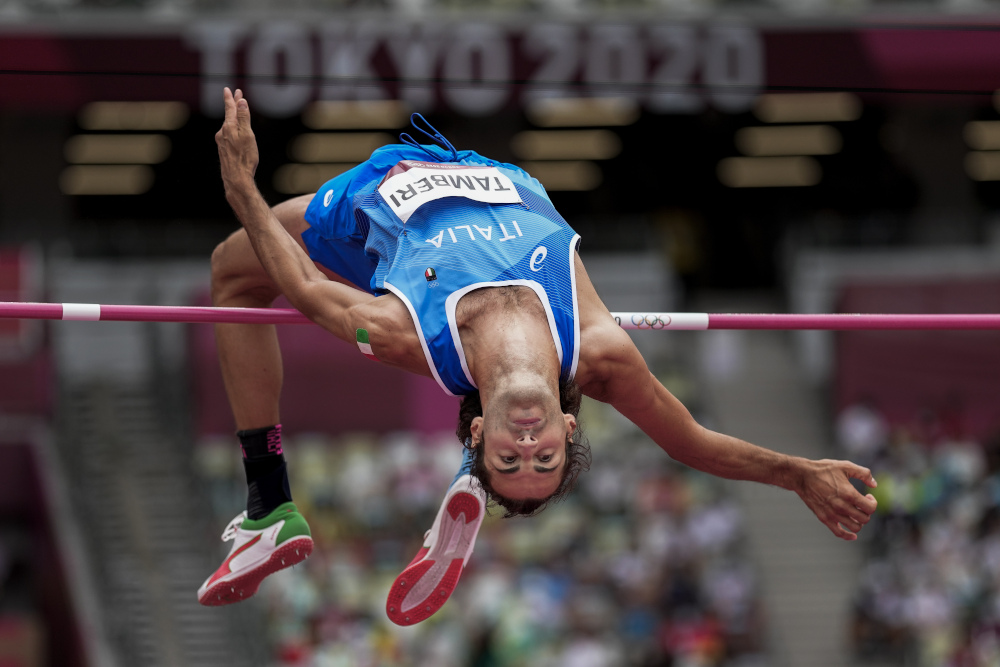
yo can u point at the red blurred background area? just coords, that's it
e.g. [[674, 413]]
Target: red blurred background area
[[25, 361], [330, 387], [948, 378]]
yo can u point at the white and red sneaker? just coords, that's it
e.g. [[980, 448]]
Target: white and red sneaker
[[429, 580], [261, 547]]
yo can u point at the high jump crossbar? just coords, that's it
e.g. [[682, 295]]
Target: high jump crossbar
[[92, 312]]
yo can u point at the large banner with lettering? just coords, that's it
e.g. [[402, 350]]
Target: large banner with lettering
[[478, 68]]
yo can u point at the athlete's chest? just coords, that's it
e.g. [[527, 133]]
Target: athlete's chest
[[490, 307], [479, 314]]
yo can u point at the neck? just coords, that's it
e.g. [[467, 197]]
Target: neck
[[511, 352], [514, 385]]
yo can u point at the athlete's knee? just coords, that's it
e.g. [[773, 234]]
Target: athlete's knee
[[222, 259], [222, 274], [237, 274]]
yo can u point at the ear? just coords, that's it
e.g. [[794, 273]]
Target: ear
[[570, 423], [476, 428]]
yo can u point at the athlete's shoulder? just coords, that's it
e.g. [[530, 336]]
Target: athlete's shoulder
[[606, 350], [608, 356]]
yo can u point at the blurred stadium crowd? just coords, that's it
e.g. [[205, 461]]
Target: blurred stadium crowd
[[929, 592], [644, 565]]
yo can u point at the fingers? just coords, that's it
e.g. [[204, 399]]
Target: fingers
[[853, 520], [861, 474], [847, 510], [847, 517], [837, 529], [242, 112], [850, 497], [237, 117], [846, 525], [867, 503], [237, 109], [229, 102]]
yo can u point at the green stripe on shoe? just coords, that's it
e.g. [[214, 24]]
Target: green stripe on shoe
[[295, 524]]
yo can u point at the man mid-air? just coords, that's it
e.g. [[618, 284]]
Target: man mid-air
[[449, 265]]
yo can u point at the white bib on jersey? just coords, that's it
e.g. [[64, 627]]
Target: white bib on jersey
[[412, 184]]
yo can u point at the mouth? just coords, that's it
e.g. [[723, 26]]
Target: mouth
[[526, 423]]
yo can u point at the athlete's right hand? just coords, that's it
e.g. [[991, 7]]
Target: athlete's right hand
[[238, 155]]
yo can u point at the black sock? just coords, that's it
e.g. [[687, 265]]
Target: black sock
[[267, 475]]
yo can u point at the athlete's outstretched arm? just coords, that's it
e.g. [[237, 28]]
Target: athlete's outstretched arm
[[625, 382], [325, 302]]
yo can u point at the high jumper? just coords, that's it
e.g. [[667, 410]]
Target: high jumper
[[450, 265]]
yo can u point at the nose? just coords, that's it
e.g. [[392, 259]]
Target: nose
[[527, 440]]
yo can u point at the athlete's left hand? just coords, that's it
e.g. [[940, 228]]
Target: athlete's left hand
[[238, 155], [826, 489]]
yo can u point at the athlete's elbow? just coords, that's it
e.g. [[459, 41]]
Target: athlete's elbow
[[305, 298]]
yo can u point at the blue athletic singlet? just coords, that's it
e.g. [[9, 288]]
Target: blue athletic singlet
[[432, 230]]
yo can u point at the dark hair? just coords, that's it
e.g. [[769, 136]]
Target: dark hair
[[577, 453]]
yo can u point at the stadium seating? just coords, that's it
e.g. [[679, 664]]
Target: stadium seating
[[641, 566], [929, 591]]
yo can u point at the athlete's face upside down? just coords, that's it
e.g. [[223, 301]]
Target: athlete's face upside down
[[520, 437], [525, 452], [524, 436]]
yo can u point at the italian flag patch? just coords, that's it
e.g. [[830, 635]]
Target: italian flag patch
[[364, 345]]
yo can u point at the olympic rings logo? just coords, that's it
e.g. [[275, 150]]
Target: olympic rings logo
[[651, 321]]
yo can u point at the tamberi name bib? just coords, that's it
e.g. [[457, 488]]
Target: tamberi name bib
[[411, 184]]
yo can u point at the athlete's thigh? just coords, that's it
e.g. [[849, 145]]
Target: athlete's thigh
[[236, 260]]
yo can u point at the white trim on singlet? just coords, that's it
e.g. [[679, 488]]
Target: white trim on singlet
[[451, 304], [576, 306], [420, 334]]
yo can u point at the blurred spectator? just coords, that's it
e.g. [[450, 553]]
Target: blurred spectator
[[929, 592]]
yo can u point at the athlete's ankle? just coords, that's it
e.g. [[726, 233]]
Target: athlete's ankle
[[266, 471]]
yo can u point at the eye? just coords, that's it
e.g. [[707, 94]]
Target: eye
[[508, 459], [545, 458]]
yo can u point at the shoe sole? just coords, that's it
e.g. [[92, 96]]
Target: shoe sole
[[424, 587], [243, 586]]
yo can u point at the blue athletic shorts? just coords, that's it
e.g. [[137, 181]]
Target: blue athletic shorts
[[336, 237], [345, 256]]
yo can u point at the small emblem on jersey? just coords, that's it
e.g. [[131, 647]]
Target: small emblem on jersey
[[410, 185], [328, 197], [537, 258], [430, 274]]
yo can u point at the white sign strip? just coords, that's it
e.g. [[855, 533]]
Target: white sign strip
[[679, 321], [408, 191], [84, 312]]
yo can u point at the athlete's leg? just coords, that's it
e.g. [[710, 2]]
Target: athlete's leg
[[251, 368], [431, 577], [249, 353]]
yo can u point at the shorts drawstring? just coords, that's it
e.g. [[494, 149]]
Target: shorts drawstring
[[434, 135]]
